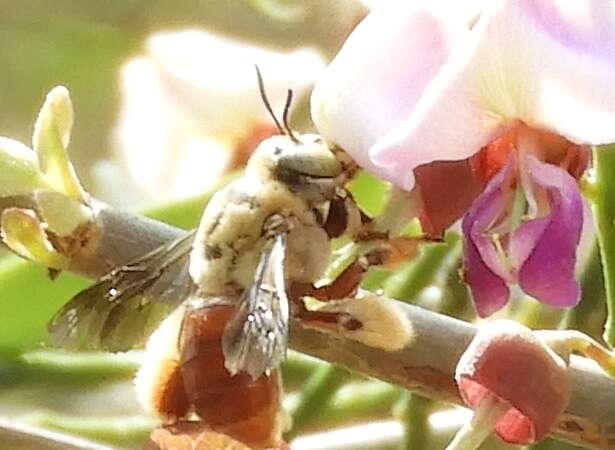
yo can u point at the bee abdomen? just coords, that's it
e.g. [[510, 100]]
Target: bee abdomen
[[245, 409]]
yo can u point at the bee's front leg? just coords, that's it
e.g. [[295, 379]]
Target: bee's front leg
[[345, 285], [300, 311], [377, 246], [387, 252]]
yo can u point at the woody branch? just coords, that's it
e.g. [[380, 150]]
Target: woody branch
[[425, 365]]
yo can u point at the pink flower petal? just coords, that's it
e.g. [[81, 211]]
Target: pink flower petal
[[548, 272], [485, 271], [448, 123], [566, 51], [548, 63], [380, 73], [506, 360]]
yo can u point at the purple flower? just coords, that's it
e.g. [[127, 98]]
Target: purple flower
[[539, 253], [494, 111]]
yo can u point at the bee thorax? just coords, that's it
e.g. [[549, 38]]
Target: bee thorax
[[236, 226]]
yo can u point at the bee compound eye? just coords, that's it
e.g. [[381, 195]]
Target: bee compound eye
[[314, 160]]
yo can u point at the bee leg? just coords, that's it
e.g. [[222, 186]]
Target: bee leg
[[332, 318], [389, 253], [392, 252], [343, 286]]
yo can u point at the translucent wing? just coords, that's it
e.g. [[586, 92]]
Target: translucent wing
[[255, 339], [125, 306]]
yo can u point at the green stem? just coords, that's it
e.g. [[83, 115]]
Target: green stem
[[67, 368], [316, 393], [536, 315], [604, 213], [117, 430], [424, 270], [23, 437], [413, 413], [83, 364], [588, 316], [297, 367], [361, 400]]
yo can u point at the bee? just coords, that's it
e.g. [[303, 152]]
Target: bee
[[217, 301]]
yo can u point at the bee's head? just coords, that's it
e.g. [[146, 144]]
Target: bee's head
[[303, 162]]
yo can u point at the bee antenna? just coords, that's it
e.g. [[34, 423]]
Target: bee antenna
[[261, 88], [289, 100]]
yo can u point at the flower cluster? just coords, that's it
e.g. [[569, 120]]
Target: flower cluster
[[489, 116]]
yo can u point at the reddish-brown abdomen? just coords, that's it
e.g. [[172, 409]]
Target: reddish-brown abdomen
[[245, 409]]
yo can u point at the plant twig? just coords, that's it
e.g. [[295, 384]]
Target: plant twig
[[425, 365], [23, 437]]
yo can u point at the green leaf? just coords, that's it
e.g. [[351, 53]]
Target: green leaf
[[369, 192], [315, 395], [29, 299], [604, 214]]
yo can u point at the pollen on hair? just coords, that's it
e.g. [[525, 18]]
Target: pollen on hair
[[158, 382], [384, 325]]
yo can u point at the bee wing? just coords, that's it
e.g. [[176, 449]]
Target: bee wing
[[125, 306], [256, 337]]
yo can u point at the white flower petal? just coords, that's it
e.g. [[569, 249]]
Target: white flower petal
[[214, 80], [192, 99], [567, 50], [381, 72], [548, 63]]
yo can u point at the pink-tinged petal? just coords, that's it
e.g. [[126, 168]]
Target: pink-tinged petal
[[566, 50], [489, 291], [485, 271], [548, 272], [448, 124], [524, 240], [548, 63], [380, 73]]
